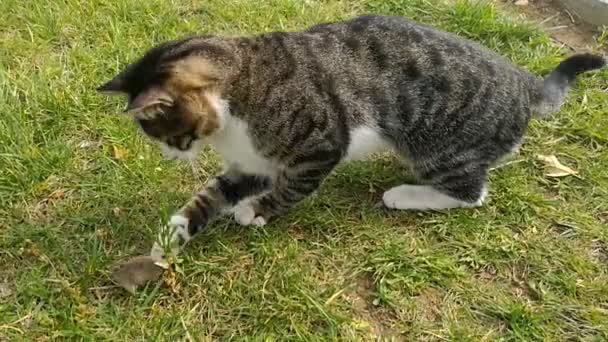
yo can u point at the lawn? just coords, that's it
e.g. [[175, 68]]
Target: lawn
[[80, 190]]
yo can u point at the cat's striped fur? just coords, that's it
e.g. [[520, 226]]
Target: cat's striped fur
[[284, 108]]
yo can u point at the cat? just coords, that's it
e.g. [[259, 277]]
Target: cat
[[284, 108]]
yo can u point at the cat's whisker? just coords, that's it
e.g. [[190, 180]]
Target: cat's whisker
[[500, 166]]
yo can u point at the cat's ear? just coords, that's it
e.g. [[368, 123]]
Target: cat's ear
[[116, 86], [150, 100]]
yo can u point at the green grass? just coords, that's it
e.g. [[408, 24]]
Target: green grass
[[530, 265]]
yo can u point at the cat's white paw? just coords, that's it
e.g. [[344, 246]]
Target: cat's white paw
[[179, 227], [179, 221], [245, 215], [399, 198], [423, 197], [259, 221], [170, 235]]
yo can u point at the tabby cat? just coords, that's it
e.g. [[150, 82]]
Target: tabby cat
[[284, 108]]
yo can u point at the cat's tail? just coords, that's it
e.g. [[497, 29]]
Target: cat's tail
[[556, 85]]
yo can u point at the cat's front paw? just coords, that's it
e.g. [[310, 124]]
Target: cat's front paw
[[245, 215], [171, 237]]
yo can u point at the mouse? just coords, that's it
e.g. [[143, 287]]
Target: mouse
[[137, 271]]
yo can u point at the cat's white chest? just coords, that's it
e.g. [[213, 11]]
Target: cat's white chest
[[365, 141], [236, 148]]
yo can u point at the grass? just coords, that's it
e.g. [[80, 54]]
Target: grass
[[81, 190]]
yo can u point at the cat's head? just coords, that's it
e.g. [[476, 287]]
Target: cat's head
[[175, 92]]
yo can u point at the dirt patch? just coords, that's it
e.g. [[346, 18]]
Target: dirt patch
[[428, 304], [368, 314], [520, 286], [41, 209], [564, 27], [487, 273]]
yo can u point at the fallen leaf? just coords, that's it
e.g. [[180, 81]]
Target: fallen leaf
[[553, 168], [120, 153], [521, 3]]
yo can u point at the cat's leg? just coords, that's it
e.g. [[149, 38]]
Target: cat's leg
[[292, 185], [457, 188], [219, 196]]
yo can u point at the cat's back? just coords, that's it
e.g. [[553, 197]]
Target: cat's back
[[372, 66], [382, 49], [388, 39], [395, 52]]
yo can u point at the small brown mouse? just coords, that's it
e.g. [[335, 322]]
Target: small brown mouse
[[138, 271]]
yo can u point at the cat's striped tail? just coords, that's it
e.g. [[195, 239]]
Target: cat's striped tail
[[556, 85]]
